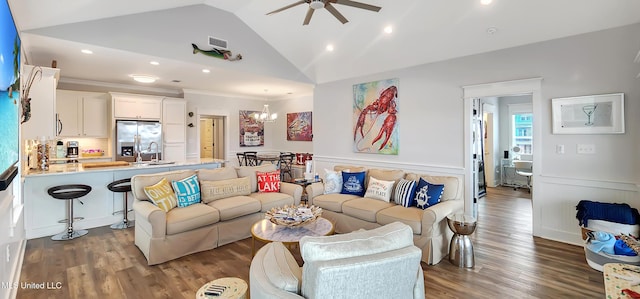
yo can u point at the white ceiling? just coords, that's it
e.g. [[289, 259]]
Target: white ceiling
[[279, 54]]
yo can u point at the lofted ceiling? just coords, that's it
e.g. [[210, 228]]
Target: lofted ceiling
[[281, 57]]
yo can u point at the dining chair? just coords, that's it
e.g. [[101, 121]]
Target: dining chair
[[251, 158], [241, 159], [286, 160]]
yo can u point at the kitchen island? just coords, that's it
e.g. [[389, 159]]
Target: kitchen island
[[42, 212]]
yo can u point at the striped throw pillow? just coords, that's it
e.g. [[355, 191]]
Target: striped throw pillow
[[405, 193]]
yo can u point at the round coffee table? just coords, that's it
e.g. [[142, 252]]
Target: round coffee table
[[235, 288], [265, 231]]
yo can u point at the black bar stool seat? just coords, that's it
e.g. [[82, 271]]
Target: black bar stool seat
[[122, 186], [69, 193]]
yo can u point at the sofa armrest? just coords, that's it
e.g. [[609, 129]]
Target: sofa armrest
[[433, 215], [150, 216], [292, 189], [314, 190]]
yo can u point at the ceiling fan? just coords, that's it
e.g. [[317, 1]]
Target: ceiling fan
[[318, 4]]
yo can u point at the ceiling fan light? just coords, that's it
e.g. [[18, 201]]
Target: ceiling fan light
[[316, 4]]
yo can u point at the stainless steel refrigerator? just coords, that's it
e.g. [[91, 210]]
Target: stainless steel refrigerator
[[134, 136]]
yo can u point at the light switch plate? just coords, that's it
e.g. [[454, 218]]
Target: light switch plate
[[587, 149], [560, 149]]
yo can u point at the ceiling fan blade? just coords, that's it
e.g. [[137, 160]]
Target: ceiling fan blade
[[358, 5], [335, 13], [287, 7], [307, 18]]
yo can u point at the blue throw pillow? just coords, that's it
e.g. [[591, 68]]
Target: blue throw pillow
[[187, 191], [353, 183], [405, 193], [428, 194]]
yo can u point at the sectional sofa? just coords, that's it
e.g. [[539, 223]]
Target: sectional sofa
[[217, 220], [430, 231]]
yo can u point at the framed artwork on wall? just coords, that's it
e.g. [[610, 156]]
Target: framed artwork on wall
[[593, 114], [251, 130], [299, 126], [375, 117]]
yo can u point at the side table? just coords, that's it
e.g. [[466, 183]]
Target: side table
[[304, 183], [461, 248], [236, 288]]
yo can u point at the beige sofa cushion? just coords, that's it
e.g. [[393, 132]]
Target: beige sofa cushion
[[364, 208], [190, 218], [333, 201], [138, 182], [409, 216], [236, 206], [359, 243], [349, 168], [452, 187], [281, 267], [270, 200], [212, 190], [217, 174], [250, 172]]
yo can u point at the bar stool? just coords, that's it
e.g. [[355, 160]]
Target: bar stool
[[122, 186], [69, 193]]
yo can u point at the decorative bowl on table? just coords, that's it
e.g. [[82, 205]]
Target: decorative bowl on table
[[292, 216]]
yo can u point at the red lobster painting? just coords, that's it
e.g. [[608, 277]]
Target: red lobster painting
[[386, 102]]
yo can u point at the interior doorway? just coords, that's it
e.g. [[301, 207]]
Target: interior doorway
[[472, 94], [212, 139]]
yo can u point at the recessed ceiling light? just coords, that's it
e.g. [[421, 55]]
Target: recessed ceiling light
[[86, 51], [206, 71], [492, 30], [388, 29], [485, 2], [144, 78], [330, 47], [154, 63]]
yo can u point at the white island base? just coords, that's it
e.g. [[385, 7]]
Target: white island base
[[42, 212]]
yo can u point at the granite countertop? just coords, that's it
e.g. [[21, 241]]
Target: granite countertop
[[71, 168]]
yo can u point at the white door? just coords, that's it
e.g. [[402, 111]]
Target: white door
[[94, 118], [491, 144]]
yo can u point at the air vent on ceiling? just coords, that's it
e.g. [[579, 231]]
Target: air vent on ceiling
[[218, 43]]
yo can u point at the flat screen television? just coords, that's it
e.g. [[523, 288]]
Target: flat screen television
[[9, 96]]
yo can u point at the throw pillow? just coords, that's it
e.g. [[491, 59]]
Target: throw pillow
[[379, 189], [428, 194], [268, 181], [405, 193], [332, 181], [162, 195], [212, 190], [187, 190], [353, 183]]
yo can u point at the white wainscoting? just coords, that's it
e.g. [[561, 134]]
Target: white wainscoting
[[325, 162], [556, 198]]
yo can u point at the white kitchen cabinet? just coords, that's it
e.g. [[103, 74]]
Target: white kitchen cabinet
[[43, 103], [82, 114], [174, 113], [134, 106]]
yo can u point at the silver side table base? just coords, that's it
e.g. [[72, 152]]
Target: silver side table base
[[461, 249]]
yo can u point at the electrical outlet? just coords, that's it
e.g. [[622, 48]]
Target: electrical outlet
[[587, 149]]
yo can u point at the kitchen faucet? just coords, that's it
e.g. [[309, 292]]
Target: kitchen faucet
[[156, 153]]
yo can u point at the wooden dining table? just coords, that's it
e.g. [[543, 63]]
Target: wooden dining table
[[274, 158]]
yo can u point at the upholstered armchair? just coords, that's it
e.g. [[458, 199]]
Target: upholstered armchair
[[378, 263]]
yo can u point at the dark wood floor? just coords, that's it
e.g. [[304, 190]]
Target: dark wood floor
[[510, 263]]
